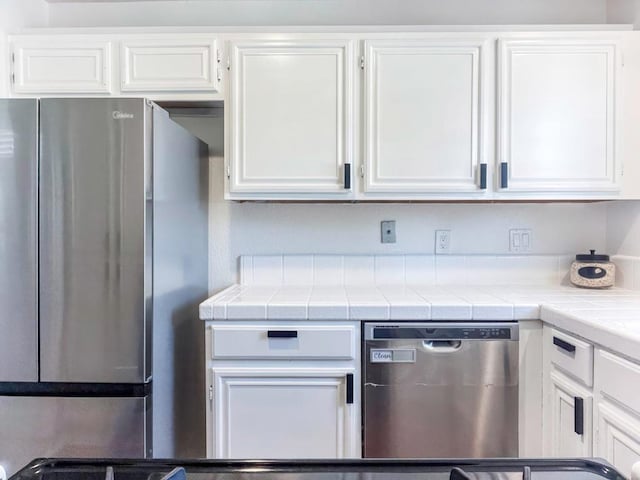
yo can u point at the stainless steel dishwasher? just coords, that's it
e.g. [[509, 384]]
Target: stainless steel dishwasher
[[440, 389]]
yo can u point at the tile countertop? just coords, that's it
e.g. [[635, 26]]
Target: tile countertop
[[610, 318]]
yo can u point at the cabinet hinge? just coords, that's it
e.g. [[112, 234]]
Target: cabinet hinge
[[228, 63], [210, 392], [361, 171], [362, 62], [218, 61], [13, 68], [228, 172]]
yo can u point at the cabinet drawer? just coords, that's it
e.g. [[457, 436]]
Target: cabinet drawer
[[573, 356], [618, 379], [283, 341]]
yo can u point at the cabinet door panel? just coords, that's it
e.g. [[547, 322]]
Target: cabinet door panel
[[75, 66], [618, 437], [565, 441], [423, 105], [282, 414], [169, 64], [290, 116], [557, 114]]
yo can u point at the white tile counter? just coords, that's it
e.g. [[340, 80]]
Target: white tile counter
[[610, 318]]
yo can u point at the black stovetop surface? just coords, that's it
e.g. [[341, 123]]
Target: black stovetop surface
[[368, 469]]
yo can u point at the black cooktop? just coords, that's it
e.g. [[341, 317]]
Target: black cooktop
[[369, 469]]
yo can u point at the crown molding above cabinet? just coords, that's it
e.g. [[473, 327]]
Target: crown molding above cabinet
[[366, 115]]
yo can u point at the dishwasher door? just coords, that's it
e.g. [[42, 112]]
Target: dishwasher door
[[440, 390]]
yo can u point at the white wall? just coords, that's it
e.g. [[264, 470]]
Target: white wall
[[15, 14], [326, 12], [624, 11], [623, 228]]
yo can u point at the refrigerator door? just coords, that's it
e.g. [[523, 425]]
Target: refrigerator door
[[94, 180], [18, 241], [32, 427]]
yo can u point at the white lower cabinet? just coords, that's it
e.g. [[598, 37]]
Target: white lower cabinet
[[618, 437], [284, 413], [283, 390], [580, 421], [571, 412], [617, 413]]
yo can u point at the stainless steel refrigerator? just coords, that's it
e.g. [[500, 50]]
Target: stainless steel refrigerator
[[103, 261]]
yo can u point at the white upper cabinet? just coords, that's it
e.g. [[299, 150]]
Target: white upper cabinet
[[65, 65], [169, 63], [557, 115], [290, 117], [423, 106]]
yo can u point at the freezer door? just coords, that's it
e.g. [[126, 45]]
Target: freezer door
[[32, 427], [93, 185], [18, 241]]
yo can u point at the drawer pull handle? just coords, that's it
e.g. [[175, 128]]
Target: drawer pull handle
[[349, 388], [578, 414], [282, 333], [564, 345]]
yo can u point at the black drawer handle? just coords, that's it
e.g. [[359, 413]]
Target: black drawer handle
[[578, 415], [349, 388], [282, 333], [564, 345]]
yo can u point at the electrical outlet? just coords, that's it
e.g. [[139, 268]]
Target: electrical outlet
[[388, 231], [520, 240], [443, 241]]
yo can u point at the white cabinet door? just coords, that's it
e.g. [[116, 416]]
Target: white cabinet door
[[283, 413], [570, 417], [423, 105], [557, 115], [618, 439], [171, 63], [291, 116], [54, 65]]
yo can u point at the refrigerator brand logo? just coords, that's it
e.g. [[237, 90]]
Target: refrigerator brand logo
[[118, 115]]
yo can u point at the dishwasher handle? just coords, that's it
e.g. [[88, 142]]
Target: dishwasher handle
[[442, 346]]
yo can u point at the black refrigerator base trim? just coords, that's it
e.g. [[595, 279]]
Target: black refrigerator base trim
[[55, 389]]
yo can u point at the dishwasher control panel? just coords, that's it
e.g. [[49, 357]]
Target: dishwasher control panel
[[442, 331]]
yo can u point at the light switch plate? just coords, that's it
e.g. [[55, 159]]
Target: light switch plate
[[520, 240], [388, 231]]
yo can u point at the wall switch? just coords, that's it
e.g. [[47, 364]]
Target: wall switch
[[443, 241], [520, 240], [388, 231]]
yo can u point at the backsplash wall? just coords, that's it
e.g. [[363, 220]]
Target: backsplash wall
[[254, 228], [623, 241]]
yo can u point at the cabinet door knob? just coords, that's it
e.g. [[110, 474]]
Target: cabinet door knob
[[347, 176], [578, 414], [483, 176], [504, 175], [349, 387]]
